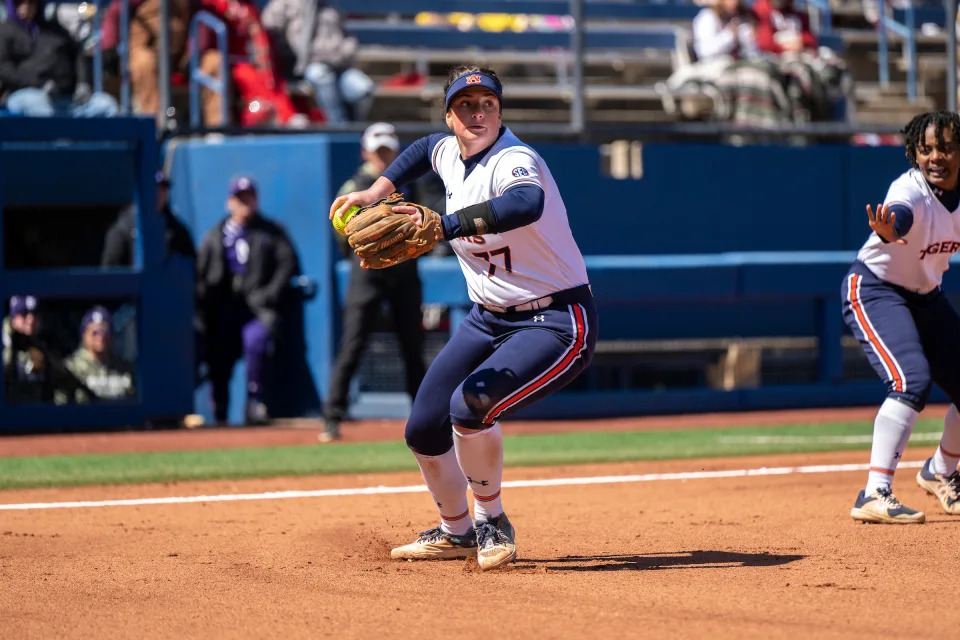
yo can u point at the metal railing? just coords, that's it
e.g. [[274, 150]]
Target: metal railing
[[123, 51], [200, 78], [907, 32], [824, 16]]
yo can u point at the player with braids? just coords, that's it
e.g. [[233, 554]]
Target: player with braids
[[532, 328], [893, 303], [915, 131]]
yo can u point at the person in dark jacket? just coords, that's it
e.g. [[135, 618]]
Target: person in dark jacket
[[31, 372], [118, 245], [369, 288], [42, 69], [244, 267]]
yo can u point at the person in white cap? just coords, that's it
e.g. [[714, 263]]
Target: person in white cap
[[400, 287]]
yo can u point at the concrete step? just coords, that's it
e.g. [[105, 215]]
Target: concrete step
[[887, 104], [867, 90], [890, 119], [870, 37]]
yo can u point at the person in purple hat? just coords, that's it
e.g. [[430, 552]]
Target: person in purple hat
[[31, 372], [107, 376], [118, 244], [42, 69], [244, 267], [24, 364]]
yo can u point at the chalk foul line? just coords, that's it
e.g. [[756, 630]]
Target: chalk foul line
[[419, 488]]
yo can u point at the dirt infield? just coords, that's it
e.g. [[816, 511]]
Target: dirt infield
[[300, 432], [759, 557]]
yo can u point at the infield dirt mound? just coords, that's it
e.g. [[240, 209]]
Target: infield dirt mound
[[759, 557]]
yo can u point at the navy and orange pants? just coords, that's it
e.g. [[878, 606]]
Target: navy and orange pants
[[912, 340], [495, 363]]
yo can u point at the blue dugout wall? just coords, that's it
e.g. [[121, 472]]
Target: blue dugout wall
[[711, 241], [296, 177], [50, 163]]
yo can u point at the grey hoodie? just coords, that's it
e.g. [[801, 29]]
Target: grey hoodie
[[311, 31]]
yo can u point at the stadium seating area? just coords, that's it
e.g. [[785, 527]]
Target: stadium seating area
[[630, 49]]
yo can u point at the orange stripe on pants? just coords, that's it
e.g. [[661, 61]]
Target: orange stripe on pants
[[878, 347]]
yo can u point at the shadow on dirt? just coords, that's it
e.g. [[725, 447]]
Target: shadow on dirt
[[650, 561]]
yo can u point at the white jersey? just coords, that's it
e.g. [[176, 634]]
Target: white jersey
[[933, 238], [513, 267]]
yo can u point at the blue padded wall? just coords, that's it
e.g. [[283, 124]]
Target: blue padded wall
[[709, 198], [295, 175]]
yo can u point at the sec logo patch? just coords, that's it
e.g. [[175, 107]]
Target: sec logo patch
[[519, 172]]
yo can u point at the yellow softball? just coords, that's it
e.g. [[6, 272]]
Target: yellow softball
[[339, 222]]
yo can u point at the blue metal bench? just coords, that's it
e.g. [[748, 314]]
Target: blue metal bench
[[592, 9], [406, 34]]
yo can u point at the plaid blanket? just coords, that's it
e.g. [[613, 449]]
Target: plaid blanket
[[764, 93], [747, 93]]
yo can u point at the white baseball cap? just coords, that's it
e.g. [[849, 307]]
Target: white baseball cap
[[380, 134]]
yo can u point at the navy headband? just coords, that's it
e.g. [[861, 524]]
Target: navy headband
[[473, 80]]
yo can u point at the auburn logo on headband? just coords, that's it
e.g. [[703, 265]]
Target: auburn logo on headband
[[474, 79]]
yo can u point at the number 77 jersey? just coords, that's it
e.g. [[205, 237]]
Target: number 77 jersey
[[512, 267]]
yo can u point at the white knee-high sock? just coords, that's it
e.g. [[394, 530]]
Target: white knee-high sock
[[449, 490], [945, 460], [891, 431], [481, 457]]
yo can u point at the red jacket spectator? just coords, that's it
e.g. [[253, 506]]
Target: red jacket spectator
[[781, 28], [260, 87]]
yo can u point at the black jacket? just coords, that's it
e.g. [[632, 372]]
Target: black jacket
[[33, 61], [270, 267], [118, 244]]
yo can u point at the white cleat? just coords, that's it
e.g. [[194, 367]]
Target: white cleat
[[882, 507], [495, 543], [944, 488], [437, 544]]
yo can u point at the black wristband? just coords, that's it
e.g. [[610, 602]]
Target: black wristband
[[476, 220]]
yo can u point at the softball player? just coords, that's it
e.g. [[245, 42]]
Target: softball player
[[532, 328], [893, 303]]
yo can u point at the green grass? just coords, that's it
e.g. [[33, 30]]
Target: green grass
[[525, 450]]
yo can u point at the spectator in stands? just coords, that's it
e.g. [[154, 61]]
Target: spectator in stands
[[814, 77], [369, 288], [741, 87], [118, 246], [724, 29], [28, 368], [244, 268], [312, 44], [42, 69], [107, 376], [142, 44], [781, 28], [262, 91]]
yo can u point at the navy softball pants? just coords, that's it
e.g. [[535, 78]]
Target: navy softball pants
[[912, 340], [496, 363]]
